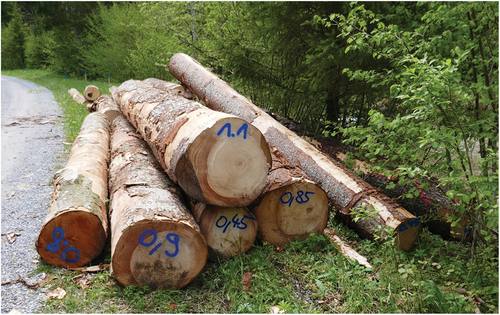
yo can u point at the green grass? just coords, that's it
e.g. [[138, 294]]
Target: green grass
[[309, 276]]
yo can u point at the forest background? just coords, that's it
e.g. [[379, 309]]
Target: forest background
[[412, 85]]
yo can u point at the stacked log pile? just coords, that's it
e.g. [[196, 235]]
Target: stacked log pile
[[189, 183]]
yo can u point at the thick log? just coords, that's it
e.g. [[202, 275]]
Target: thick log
[[77, 97], [76, 226], [227, 231], [105, 105], [155, 240], [91, 93], [291, 206], [347, 192], [216, 158], [169, 86]]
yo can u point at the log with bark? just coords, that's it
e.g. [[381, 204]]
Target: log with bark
[[155, 240], [216, 158], [432, 206], [227, 231], [77, 97], [106, 105], [291, 206], [91, 93], [169, 86], [76, 226], [365, 208]]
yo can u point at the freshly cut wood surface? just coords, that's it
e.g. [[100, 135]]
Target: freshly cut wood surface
[[227, 231], [106, 105], [291, 206], [345, 190], [91, 93], [77, 96], [216, 158], [155, 240], [76, 226]]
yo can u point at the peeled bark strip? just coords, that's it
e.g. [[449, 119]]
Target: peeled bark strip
[[77, 97], [106, 105], [76, 226], [227, 231], [291, 206], [345, 190], [169, 86], [216, 158], [345, 249], [154, 238], [91, 93]]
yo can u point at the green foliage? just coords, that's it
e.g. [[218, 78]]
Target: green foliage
[[14, 41]]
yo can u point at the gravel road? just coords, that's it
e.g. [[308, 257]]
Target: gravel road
[[32, 146]]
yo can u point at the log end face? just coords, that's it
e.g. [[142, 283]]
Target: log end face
[[159, 254], [407, 233], [72, 239]]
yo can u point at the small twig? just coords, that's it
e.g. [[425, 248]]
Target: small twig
[[23, 281]]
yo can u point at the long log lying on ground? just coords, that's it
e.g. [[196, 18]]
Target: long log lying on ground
[[76, 226], [91, 93], [216, 158], [105, 105], [227, 231], [291, 206], [154, 238], [432, 206], [77, 97], [348, 193]]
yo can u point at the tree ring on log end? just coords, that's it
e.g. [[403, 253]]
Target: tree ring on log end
[[292, 211], [232, 162], [160, 255], [71, 239]]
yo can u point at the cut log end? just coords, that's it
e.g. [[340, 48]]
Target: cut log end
[[228, 231], [407, 233], [91, 93], [159, 254], [290, 212], [231, 161], [65, 242]]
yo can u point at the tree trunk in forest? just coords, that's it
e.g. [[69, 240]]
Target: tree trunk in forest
[[169, 86], [227, 231], [154, 238], [347, 192], [216, 158], [105, 105], [76, 226], [91, 93], [291, 206], [77, 97], [432, 206]]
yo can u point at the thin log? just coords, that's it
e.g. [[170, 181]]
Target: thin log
[[291, 206], [106, 105], [227, 231], [345, 249], [76, 226], [91, 93], [155, 240], [347, 192], [77, 97], [216, 158]]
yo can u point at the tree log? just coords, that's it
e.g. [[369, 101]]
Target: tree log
[[345, 249], [291, 206], [154, 238], [112, 91], [76, 226], [169, 86], [106, 105], [91, 93], [77, 97], [227, 231], [347, 192], [216, 158], [432, 206]]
